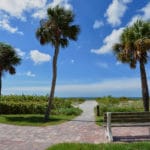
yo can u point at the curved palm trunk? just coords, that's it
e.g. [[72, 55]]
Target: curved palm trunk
[[51, 97], [0, 83], [144, 85]]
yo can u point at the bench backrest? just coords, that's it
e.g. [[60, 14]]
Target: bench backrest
[[128, 117]]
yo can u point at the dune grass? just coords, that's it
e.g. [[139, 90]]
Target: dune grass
[[112, 146], [34, 119]]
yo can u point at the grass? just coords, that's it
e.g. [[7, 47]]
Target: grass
[[112, 146], [34, 119]]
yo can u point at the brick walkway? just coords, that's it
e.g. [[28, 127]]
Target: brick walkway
[[81, 129]]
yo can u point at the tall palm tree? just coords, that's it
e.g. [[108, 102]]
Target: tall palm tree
[[8, 60], [134, 47], [57, 30]]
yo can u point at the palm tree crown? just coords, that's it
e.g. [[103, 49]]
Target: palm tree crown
[[57, 28], [134, 44], [8, 60]]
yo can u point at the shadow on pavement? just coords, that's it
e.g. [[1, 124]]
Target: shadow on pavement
[[131, 138]]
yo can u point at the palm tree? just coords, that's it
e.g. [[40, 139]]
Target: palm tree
[[57, 30], [133, 48], [8, 60]]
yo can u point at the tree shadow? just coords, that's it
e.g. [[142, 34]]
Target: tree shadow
[[131, 138], [30, 119]]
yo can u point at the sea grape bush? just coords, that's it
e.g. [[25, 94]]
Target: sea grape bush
[[27, 104]]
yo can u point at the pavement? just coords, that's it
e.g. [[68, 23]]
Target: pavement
[[82, 129]]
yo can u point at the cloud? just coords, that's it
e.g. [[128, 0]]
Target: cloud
[[116, 11], [145, 16], [16, 8], [41, 13], [10, 9], [109, 41], [102, 65], [39, 57], [20, 52], [97, 24], [63, 3], [30, 74], [116, 87], [146, 11], [5, 25]]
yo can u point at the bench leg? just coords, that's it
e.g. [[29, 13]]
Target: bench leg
[[109, 134], [108, 130]]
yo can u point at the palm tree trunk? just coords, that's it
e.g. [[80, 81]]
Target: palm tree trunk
[[0, 83], [54, 77], [144, 85]]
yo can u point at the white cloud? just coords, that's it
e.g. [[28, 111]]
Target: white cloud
[[5, 25], [97, 24], [16, 8], [39, 57], [41, 13], [109, 41], [146, 11], [10, 9], [145, 16], [130, 86], [102, 65], [63, 3], [30, 74], [20, 52], [108, 85], [116, 11]]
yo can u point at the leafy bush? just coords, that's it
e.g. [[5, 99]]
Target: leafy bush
[[12, 107], [26, 104]]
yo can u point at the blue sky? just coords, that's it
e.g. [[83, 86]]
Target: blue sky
[[86, 67]]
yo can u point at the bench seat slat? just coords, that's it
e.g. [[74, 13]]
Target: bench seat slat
[[132, 117], [129, 115], [129, 125], [129, 120]]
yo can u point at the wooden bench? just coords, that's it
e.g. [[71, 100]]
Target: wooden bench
[[125, 119]]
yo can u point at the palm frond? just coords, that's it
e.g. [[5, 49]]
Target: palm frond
[[57, 27], [8, 58], [134, 43]]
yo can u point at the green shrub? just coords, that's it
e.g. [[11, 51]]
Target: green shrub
[[26, 104], [13, 107]]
